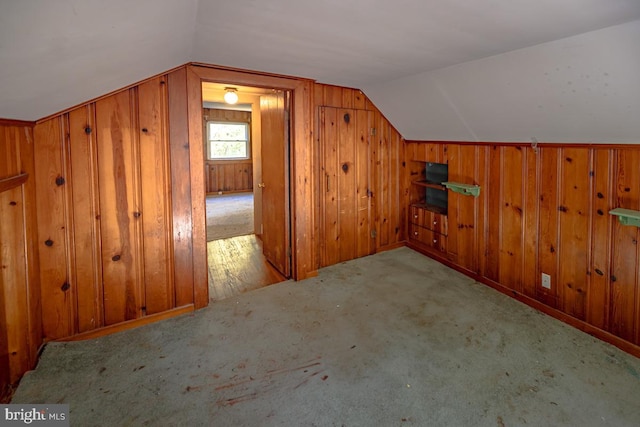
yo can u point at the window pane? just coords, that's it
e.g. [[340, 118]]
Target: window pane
[[228, 140], [228, 149], [227, 132]]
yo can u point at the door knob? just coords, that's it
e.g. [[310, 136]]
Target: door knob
[[261, 185]]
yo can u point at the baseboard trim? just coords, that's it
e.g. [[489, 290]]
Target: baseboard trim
[[391, 247], [129, 324]]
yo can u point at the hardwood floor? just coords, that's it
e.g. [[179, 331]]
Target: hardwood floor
[[236, 265]]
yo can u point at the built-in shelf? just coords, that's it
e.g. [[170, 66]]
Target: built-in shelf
[[12, 182], [430, 208], [466, 189], [429, 184], [627, 216]]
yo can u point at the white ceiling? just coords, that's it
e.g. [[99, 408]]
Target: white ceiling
[[584, 88], [58, 53]]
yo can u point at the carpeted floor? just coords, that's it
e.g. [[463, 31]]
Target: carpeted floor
[[393, 339], [229, 215]]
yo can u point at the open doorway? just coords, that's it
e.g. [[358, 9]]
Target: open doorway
[[240, 201]]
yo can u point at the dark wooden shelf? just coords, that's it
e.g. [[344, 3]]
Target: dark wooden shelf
[[429, 184], [12, 182], [430, 208]]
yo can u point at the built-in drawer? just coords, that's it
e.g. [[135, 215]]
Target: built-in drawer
[[428, 237], [431, 220]]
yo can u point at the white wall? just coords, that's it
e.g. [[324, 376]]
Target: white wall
[[584, 88], [56, 54]]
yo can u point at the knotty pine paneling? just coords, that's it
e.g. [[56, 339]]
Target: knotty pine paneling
[[362, 210], [119, 200], [548, 218], [602, 196], [107, 205], [530, 214], [58, 314], [492, 214], [328, 192], [345, 182], [625, 260], [83, 183], [155, 179], [14, 346], [575, 200], [228, 176], [546, 209], [20, 315], [510, 218], [181, 212]]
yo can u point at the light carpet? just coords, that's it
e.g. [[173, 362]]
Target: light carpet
[[229, 215]]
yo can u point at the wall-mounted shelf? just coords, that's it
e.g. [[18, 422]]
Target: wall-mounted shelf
[[466, 189], [12, 182], [627, 216]]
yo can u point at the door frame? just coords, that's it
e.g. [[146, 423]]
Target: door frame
[[301, 167]]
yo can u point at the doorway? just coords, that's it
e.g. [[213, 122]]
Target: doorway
[[247, 188]]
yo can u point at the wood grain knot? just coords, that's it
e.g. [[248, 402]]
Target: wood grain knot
[[60, 181], [87, 130], [115, 258], [65, 286], [347, 118], [599, 272], [12, 203], [600, 196], [48, 242], [145, 130], [136, 214], [345, 168]]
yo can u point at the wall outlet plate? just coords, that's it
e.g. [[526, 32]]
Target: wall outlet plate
[[546, 281]]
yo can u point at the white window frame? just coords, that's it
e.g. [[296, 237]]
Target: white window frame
[[247, 141]]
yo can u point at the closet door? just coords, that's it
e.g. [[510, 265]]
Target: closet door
[[345, 184]]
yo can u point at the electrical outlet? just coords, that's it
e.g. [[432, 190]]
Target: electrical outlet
[[546, 281]]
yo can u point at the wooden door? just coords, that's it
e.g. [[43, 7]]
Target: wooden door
[[346, 191], [274, 112]]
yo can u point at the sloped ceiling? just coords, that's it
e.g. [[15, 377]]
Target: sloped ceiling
[[584, 88], [58, 53]]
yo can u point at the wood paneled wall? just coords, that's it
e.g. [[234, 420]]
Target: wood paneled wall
[[228, 176], [120, 193], [112, 183], [20, 322], [546, 210], [361, 205]]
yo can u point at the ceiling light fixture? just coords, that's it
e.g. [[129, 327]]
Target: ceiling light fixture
[[230, 96]]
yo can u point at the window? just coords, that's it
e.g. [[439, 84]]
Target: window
[[228, 140]]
